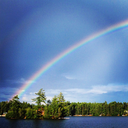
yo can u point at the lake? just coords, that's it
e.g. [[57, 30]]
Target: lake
[[73, 122]]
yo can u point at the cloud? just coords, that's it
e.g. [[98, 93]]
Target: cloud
[[69, 77], [49, 97], [28, 98], [24, 98], [20, 81], [76, 94], [97, 89], [31, 93], [8, 89], [76, 90], [100, 89], [53, 91], [6, 92]]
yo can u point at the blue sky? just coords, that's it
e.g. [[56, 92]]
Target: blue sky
[[34, 32]]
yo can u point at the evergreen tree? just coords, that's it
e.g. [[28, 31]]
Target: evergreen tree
[[41, 97]]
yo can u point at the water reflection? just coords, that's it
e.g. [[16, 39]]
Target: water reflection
[[73, 122]]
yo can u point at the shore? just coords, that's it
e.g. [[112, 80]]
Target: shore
[[2, 115], [82, 115]]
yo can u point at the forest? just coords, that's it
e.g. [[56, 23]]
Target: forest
[[58, 108]]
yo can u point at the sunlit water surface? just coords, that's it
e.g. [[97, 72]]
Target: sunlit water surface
[[73, 122]]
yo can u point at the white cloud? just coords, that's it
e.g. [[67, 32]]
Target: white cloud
[[52, 91], [97, 89], [49, 97], [69, 77], [75, 94], [76, 90], [24, 98], [100, 89], [28, 98], [31, 93]]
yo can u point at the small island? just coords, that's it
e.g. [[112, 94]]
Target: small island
[[58, 108]]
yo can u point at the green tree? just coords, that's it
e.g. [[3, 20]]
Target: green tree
[[15, 99], [22, 113], [54, 107], [41, 97], [60, 98], [29, 113], [57, 108], [3, 107], [49, 102], [13, 112]]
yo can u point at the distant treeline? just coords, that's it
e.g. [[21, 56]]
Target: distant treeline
[[59, 108]]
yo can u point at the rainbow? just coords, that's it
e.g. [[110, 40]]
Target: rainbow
[[79, 44]]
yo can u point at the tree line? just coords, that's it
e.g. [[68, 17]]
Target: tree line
[[58, 108]]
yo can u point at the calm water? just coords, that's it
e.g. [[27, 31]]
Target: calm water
[[73, 122]]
